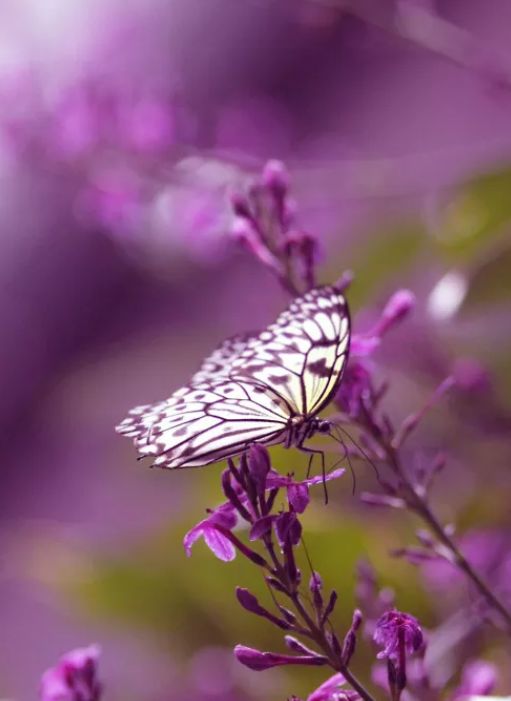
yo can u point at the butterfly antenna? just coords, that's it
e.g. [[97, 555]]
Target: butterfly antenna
[[346, 455], [362, 451]]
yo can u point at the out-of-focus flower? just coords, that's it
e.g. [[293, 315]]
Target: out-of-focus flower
[[488, 551], [478, 678], [113, 200], [264, 224], [332, 690], [259, 661], [74, 678], [470, 375], [356, 391], [224, 517], [399, 634], [396, 310], [372, 600], [148, 126]]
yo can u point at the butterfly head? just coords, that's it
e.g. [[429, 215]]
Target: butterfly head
[[323, 426]]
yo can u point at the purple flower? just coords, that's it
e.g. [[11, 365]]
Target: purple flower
[[355, 389], [275, 177], [259, 661], [399, 634], [298, 492], [224, 518], [288, 529], [147, 125], [262, 527], [332, 690], [470, 375], [74, 678], [397, 308], [488, 551]]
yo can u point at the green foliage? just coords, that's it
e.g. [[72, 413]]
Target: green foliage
[[477, 217], [391, 251]]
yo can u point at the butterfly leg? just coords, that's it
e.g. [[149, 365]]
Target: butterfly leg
[[312, 452]]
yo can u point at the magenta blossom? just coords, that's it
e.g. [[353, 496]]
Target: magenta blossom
[[399, 634], [397, 308], [356, 389], [298, 492], [74, 678], [222, 518]]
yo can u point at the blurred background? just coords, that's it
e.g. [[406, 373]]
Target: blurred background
[[123, 128]]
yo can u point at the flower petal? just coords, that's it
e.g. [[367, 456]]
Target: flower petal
[[219, 544]]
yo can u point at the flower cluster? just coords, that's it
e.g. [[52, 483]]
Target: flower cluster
[[381, 443], [265, 224], [304, 613], [252, 491]]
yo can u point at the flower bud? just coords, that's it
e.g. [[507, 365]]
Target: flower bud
[[259, 661], [397, 633], [275, 177], [258, 466]]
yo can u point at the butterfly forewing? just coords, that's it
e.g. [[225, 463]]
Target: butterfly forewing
[[301, 355], [248, 389]]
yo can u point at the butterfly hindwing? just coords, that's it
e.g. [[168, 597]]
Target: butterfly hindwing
[[205, 422], [219, 363]]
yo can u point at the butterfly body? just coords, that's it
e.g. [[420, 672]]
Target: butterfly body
[[267, 388], [300, 428]]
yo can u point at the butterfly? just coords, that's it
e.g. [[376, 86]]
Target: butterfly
[[266, 387]]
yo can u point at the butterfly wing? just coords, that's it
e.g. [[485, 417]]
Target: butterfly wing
[[303, 354], [205, 422], [249, 387], [220, 362]]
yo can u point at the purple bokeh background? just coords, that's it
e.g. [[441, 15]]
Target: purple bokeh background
[[122, 130]]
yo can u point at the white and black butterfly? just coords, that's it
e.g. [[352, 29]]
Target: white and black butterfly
[[267, 388]]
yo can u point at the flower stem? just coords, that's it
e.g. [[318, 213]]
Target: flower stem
[[313, 631], [421, 507]]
